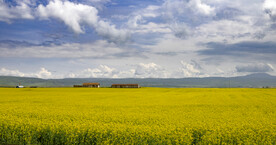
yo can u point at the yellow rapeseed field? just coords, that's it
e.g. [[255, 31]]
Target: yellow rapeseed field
[[137, 116]]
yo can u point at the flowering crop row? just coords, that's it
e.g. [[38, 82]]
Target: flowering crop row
[[137, 116]]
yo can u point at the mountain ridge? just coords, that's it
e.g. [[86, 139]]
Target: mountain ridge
[[251, 80]]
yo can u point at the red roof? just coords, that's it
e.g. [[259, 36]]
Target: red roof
[[87, 84]]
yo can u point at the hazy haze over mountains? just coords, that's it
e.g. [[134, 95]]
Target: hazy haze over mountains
[[253, 80]]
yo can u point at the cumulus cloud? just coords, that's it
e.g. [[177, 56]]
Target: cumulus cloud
[[139, 22], [183, 16], [8, 72], [102, 71], [178, 14], [21, 10], [138, 17], [141, 70], [174, 8], [181, 30], [239, 29], [201, 7], [42, 73], [191, 69], [260, 68], [227, 13], [150, 70], [76, 16], [217, 20], [270, 8]]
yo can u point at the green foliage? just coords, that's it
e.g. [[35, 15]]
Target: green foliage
[[137, 116]]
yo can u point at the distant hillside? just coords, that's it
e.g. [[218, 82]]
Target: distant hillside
[[252, 80]]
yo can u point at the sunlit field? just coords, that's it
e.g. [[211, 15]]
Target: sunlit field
[[137, 116]]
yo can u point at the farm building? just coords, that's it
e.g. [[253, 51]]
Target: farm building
[[19, 86], [91, 85], [88, 85], [125, 86]]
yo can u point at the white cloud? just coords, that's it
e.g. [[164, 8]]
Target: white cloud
[[181, 30], [174, 8], [98, 49], [200, 7], [152, 28], [142, 70], [191, 69], [193, 21], [76, 16], [8, 72], [133, 22], [42, 73], [230, 30], [127, 73], [110, 32], [22, 10], [147, 70], [181, 16], [99, 4], [150, 70], [70, 75], [102, 71], [270, 8], [259, 67], [138, 17], [151, 11], [70, 13], [139, 21]]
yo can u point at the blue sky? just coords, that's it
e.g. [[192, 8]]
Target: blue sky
[[137, 38]]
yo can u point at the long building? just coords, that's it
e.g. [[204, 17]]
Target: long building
[[91, 85], [125, 86], [88, 85]]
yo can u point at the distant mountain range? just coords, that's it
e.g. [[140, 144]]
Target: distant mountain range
[[253, 80]]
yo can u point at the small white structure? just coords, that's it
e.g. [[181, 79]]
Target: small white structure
[[19, 86]]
